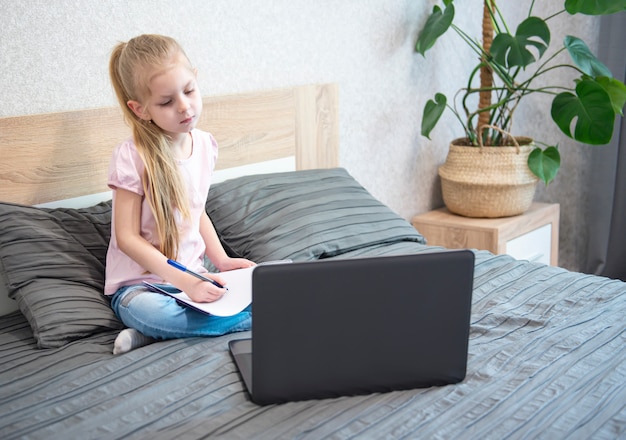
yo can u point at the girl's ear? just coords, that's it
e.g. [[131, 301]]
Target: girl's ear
[[138, 110]]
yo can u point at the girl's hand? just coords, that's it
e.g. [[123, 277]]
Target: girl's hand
[[233, 263], [203, 291]]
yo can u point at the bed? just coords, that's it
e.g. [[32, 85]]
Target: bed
[[547, 349]]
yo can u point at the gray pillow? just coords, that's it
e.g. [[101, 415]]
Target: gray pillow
[[52, 262], [302, 215]]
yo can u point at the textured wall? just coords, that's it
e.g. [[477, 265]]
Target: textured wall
[[54, 57]]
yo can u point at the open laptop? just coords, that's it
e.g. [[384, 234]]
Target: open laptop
[[329, 328]]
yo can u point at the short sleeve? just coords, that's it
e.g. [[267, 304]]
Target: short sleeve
[[126, 168]]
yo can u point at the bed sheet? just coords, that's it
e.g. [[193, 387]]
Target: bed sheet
[[547, 359]]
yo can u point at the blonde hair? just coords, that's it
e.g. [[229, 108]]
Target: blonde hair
[[130, 68]]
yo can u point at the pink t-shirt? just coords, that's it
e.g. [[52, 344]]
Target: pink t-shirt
[[125, 172]]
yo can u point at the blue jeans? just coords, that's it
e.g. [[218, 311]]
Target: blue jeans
[[160, 317]]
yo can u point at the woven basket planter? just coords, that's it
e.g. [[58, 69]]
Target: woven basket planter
[[488, 181]]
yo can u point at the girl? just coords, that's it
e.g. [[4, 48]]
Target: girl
[[160, 180]]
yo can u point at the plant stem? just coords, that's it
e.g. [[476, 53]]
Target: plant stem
[[473, 45], [553, 15]]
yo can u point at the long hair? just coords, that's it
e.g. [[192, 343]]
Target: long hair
[[130, 66]]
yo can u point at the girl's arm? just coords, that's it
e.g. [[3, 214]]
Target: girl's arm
[[127, 230], [214, 249]]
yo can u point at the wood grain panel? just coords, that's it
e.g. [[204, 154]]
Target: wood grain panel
[[58, 155], [62, 155]]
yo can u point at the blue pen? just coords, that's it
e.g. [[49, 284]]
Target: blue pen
[[182, 267]]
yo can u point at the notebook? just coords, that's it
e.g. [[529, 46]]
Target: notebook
[[331, 328]]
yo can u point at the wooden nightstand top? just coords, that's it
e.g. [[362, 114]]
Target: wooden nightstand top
[[442, 228]]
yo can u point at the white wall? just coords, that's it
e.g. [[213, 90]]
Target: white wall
[[54, 56]]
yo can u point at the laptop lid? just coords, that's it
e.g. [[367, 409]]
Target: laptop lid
[[355, 326]]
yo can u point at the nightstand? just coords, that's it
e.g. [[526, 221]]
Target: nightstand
[[532, 236]]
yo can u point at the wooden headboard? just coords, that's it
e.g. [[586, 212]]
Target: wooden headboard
[[64, 155]]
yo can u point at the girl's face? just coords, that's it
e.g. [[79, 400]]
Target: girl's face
[[174, 103]]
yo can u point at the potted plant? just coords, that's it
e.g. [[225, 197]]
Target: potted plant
[[510, 60]]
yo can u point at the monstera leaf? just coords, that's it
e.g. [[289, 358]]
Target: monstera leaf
[[545, 163], [595, 7], [437, 24], [582, 56], [432, 112], [617, 92], [591, 108], [510, 51]]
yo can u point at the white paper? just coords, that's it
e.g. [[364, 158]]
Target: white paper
[[237, 298]]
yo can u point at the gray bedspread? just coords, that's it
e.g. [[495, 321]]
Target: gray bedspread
[[547, 359]]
